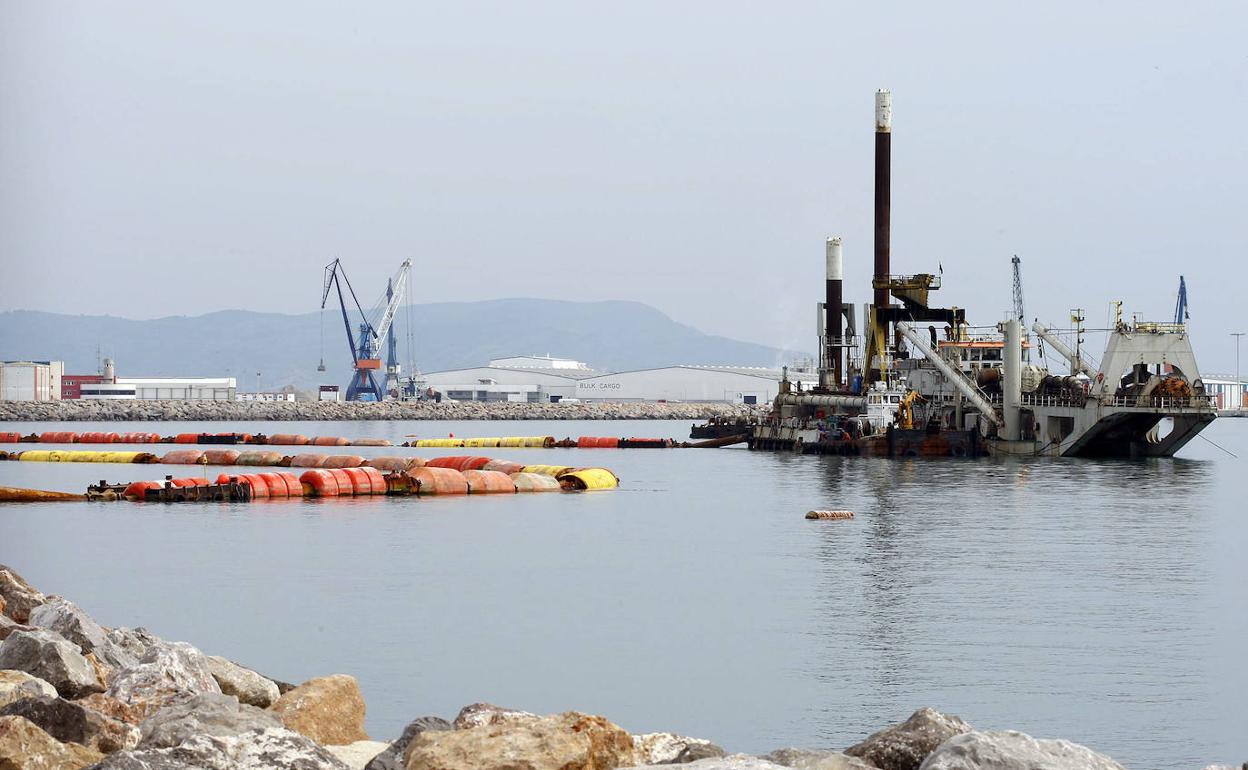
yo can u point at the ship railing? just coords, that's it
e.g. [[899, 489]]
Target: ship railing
[[1160, 402], [1045, 399]]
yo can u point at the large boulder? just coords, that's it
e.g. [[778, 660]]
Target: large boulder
[[905, 746], [243, 683], [50, 657], [665, 748], [23, 746], [168, 671], [328, 710], [568, 741], [71, 722], [357, 755], [111, 707], [204, 714], [67, 619], [16, 685], [19, 596], [8, 625], [392, 757], [1011, 750], [136, 642], [478, 714], [730, 762], [275, 748], [808, 759]]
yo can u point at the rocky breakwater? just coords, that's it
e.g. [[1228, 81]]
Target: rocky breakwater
[[75, 694], [144, 411]]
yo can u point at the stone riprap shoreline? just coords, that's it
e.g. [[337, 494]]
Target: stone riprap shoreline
[[146, 411], [75, 694]]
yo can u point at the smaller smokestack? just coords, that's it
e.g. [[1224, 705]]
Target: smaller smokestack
[[832, 310], [883, 111], [110, 374]]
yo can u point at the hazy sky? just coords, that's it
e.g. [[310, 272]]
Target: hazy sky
[[176, 158]]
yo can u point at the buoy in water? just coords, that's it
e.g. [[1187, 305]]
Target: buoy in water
[[829, 514]]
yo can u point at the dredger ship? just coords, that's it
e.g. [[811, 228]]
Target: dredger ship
[[921, 381]]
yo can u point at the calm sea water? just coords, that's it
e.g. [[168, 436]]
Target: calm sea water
[[1099, 601]]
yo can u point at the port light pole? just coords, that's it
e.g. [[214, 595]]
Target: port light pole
[[1239, 389]]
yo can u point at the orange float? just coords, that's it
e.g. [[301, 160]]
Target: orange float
[[221, 456], [183, 457], [282, 484], [307, 461], [10, 438], [189, 482], [330, 441], [439, 481], [489, 482], [597, 442], [138, 489], [290, 439], [458, 462], [346, 487], [371, 442], [321, 482], [58, 437], [343, 461], [186, 438]]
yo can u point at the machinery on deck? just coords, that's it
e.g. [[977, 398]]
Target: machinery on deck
[[927, 383], [374, 326]]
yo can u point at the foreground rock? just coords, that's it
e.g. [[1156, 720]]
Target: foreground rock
[[18, 596], [328, 710], [1012, 750], [905, 746], [807, 759], [568, 741], [730, 762], [663, 748], [479, 714], [138, 411], [67, 619], [167, 672], [23, 746], [357, 755], [50, 657], [206, 714], [111, 707], [243, 683], [73, 723], [16, 685], [392, 757], [273, 749]]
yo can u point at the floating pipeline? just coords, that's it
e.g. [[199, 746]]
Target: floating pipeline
[[527, 442], [83, 456], [833, 515], [19, 495]]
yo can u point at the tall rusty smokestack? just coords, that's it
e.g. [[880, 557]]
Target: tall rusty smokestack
[[832, 310], [883, 184]]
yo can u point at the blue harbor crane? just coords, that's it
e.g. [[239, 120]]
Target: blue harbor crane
[[1180, 306], [375, 325]]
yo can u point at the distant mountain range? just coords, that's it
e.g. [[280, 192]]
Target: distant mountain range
[[285, 349]]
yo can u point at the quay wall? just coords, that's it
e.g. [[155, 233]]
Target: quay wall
[[141, 411]]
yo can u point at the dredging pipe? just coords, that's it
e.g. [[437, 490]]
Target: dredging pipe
[[1076, 363], [1012, 383], [955, 378], [813, 399]]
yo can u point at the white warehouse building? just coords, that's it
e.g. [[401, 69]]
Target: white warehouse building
[[719, 384]]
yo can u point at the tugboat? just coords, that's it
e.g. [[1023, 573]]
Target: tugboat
[[922, 382]]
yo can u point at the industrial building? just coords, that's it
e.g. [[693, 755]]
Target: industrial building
[[1226, 392], [546, 379], [31, 380], [107, 386]]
